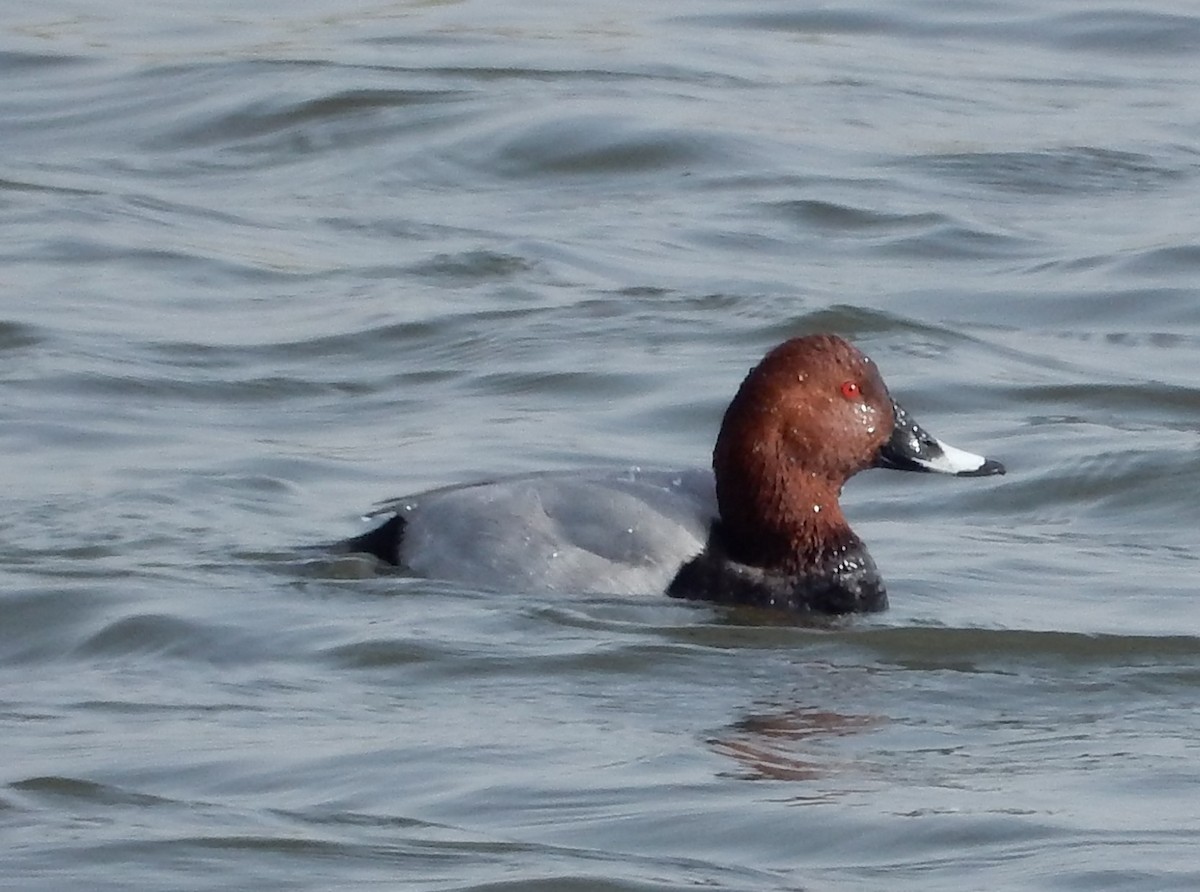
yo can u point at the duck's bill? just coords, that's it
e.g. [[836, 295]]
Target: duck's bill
[[911, 448]]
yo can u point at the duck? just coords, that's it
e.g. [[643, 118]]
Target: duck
[[763, 528]]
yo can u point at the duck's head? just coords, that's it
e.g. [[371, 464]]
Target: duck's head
[[810, 415]]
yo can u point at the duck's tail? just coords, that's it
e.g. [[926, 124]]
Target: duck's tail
[[383, 541]]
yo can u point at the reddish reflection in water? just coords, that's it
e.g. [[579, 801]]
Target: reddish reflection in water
[[784, 745]]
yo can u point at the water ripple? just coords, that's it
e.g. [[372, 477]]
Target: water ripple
[[591, 145], [1135, 32], [1063, 171]]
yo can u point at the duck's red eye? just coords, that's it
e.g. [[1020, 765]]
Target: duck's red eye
[[851, 390]]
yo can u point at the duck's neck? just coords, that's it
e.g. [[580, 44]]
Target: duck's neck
[[783, 525]]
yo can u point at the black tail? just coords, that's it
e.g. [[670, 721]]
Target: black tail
[[383, 541]]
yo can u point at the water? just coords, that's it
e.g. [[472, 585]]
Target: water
[[263, 268]]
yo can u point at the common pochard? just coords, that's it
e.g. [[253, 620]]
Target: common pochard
[[764, 528]]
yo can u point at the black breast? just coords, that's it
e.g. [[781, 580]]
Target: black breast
[[842, 581]]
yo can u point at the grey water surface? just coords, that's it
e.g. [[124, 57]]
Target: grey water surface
[[265, 265]]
